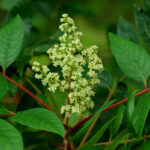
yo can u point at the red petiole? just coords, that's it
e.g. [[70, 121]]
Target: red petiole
[[27, 91], [45, 106], [109, 107]]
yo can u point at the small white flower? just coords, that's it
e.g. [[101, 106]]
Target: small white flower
[[70, 56]]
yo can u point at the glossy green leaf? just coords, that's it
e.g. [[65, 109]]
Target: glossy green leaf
[[132, 59], [97, 136], [125, 30], [143, 25], [24, 9], [119, 139], [10, 138], [115, 125], [130, 109], [130, 105], [140, 113], [89, 122], [4, 110], [11, 38], [40, 118], [3, 86]]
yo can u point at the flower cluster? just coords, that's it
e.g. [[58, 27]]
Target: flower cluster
[[79, 69]]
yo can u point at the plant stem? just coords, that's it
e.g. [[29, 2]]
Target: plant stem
[[67, 129], [8, 115], [111, 92], [110, 107], [81, 123], [55, 105], [126, 99], [27, 91], [39, 91], [33, 85], [127, 141], [89, 130]]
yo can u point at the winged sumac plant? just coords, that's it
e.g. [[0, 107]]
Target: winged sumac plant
[[52, 88]]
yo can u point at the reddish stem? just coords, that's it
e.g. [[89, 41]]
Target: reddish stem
[[109, 107], [81, 122], [8, 115], [27, 91]]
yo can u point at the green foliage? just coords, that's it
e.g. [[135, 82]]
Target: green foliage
[[130, 109], [143, 25], [119, 139], [97, 136], [40, 118], [125, 30], [145, 145], [89, 122], [140, 113], [11, 38], [115, 125], [3, 86], [4, 110], [10, 137], [133, 60], [106, 79], [29, 28], [130, 105]]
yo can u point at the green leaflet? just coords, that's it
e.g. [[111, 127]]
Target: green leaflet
[[140, 113], [89, 122], [10, 138], [125, 30], [97, 136], [119, 139], [4, 110], [142, 20], [3, 86], [115, 125], [130, 109], [40, 118], [132, 59], [11, 38]]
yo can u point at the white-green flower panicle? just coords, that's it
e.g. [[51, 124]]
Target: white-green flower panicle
[[79, 69]]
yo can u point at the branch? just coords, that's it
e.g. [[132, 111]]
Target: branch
[[106, 109], [126, 141], [67, 128], [111, 92], [27, 91], [39, 92], [7, 115]]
